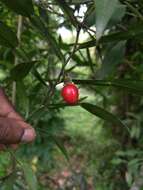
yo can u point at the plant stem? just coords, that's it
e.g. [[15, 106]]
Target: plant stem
[[19, 29]]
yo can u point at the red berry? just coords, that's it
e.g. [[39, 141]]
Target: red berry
[[70, 93]]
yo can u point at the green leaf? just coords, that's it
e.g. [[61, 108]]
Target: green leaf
[[21, 70], [117, 161], [78, 60], [7, 36], [88, 44], [77, 2], [114, 55], [133, 32], [104, 12], [30, 177], [89, 19], [60, 145], [132, 86], [100, 112], [39, 77], [22, 7], [117, 15]]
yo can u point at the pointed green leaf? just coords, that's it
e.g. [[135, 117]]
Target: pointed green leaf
[[21, 70], [132, 86], [100, 112], [39, 77], [7, 36]]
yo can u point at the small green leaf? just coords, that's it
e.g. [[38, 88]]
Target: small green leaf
[[21, 70], [7, 36], [22, 7], [100, 112]]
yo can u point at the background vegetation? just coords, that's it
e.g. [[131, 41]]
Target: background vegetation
[[96, 144]]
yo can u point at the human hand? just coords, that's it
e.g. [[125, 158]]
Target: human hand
[[13, 128]]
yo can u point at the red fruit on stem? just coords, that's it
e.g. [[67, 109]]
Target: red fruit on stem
[[70, 93]]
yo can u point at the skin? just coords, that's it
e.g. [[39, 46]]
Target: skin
[[13, 129]]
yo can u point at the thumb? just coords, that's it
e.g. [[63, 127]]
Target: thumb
[[12, 132]]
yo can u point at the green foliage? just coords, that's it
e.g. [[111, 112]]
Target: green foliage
[[24, 7], [7, 36], [109, 81], [21, 70], [102, 114], [29, 176], [105, 16]]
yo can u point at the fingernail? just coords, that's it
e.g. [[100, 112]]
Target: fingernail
[[28, 136]]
